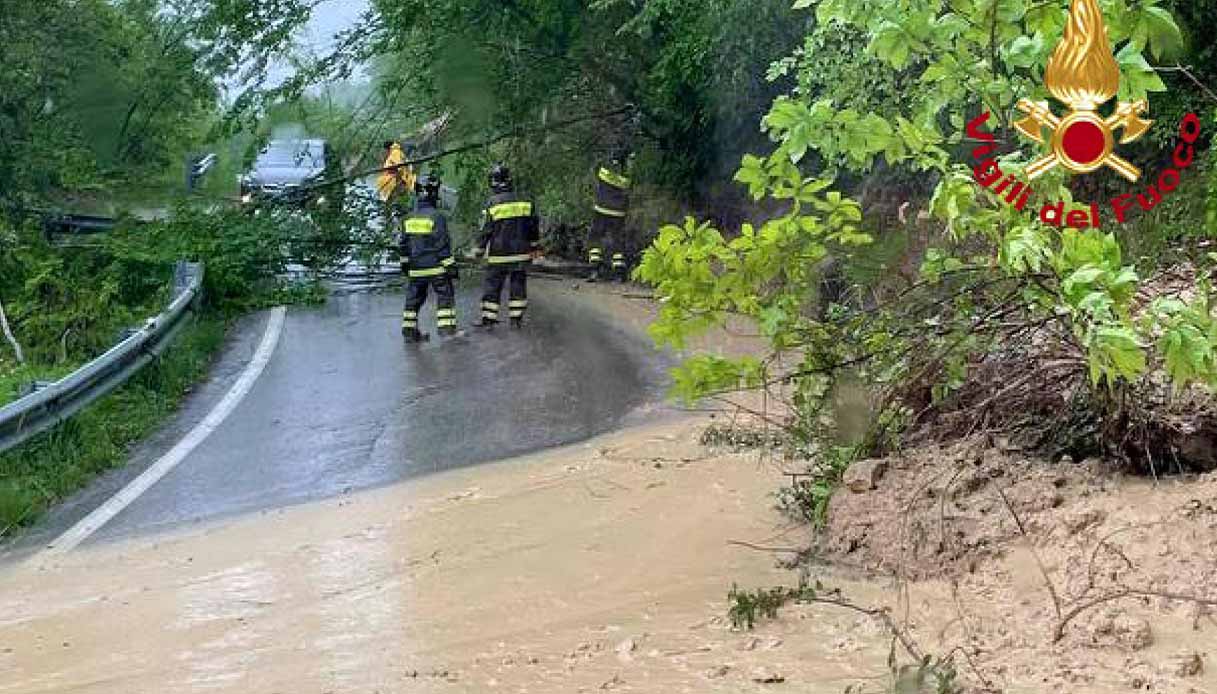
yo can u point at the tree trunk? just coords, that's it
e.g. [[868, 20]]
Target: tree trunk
[[8, 333]]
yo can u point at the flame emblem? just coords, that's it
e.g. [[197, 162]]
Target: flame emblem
[[1082, 74]]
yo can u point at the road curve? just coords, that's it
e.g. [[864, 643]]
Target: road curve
[[345, 404]]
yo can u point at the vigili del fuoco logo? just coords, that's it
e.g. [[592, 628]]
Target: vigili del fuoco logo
[[1083, 75]]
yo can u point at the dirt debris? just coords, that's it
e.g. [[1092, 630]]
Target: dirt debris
[[764, 675], [1033, 388], [864, 476], [1188, 664], [1057, 572], [1115, 627]]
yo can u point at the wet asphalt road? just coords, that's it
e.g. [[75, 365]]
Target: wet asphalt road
[[345, 405]]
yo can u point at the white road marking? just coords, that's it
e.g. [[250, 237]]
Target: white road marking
[[106, 512]]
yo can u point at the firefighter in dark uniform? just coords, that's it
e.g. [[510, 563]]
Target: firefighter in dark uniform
[[608, 226], [510, 239], [427, 263]]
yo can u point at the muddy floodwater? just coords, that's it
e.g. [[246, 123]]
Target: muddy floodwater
[[602, 563], [603, 566]]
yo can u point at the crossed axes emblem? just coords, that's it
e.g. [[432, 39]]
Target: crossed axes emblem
[[1083, 141]]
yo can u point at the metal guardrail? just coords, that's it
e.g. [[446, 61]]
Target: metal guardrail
[[197, 168], [71, 223], [55, 403], [205, 164]]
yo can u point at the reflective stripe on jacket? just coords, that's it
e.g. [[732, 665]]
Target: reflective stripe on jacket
[[425, 245], [612, 193], [511, 229]]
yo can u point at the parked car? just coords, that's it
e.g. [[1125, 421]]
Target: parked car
[[286, 171]]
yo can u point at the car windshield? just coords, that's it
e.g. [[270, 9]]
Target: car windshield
[[290, 154]]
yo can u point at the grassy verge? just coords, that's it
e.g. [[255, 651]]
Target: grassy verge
[[16, 378], [49, 468]]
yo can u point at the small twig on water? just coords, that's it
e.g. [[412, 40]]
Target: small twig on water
[[762, 548], [1125, 592], [882, 615]]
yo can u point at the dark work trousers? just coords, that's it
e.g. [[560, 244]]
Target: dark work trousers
[[445, 295], [496, 277], [606, 246]]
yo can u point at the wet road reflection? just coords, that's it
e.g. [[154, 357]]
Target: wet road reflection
[[345, 404]]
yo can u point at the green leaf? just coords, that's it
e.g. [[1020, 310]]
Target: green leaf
[[890, 42], [771, 320], [785, 114], [1155, 28], [705, 375], [1024, 250], [1026, 51], [1139, 78], [1081, 279], [1046, 19], [753, 174], [1115, 354]]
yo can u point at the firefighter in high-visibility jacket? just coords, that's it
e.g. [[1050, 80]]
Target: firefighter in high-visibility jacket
[[608, 225], [511, 240], [427, 264], [397, 180]]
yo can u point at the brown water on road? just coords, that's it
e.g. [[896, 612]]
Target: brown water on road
[[599, 567], [605, 564]]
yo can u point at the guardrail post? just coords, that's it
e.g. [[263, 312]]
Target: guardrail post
[[185, 275], [33, 387], [181, 277], [197, 167]]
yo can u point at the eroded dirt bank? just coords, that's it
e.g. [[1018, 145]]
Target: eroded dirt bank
[[1068, 577]]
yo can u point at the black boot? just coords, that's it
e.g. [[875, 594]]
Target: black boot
[[594, 277], [517, 323], [414, 335], [486, 324]]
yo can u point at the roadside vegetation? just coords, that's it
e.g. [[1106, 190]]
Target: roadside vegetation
[[979, 316], [903, 305], [100, 103]]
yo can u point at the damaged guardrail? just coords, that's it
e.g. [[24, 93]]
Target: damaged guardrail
[[51, 404]]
